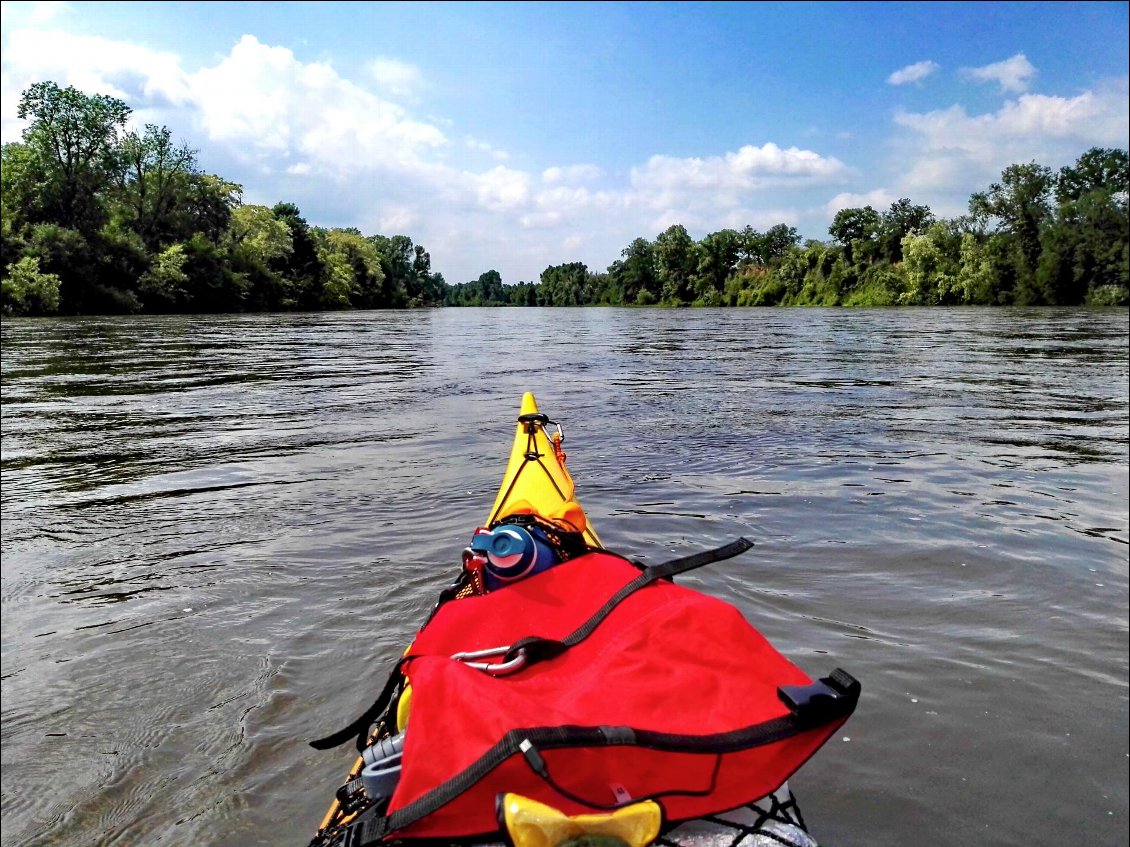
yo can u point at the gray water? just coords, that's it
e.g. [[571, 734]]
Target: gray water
[[219, 533]]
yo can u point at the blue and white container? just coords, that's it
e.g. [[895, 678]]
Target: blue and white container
[[512, 553]]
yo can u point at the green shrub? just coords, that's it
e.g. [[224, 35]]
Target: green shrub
[[25, 290]]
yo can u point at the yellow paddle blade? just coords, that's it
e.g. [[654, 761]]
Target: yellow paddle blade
[[536, 481], [533, 824]]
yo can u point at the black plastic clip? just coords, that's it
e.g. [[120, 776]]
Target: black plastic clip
[[351, 796], [825, 700]]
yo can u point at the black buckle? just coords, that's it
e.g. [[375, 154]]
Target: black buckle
[[825, 700]]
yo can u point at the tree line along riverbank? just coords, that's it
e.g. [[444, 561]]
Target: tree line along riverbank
[[101, 219]]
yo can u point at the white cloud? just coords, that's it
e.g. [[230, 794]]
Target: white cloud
[[1030, 127], [35, 14], [1012, 75], [571, 174], [398, 220], [576, 205], [264, 103], [140, 76], [298, 131], [502, 189], [92, 64], [400, 79], [705, 194], [547, 219], [940, 170], [472, 143], [947, 154], [913, 73], [880, 199], [761, 219], [259, 103], [748, 169]]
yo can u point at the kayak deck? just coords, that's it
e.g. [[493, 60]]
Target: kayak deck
[[536, 480], [537, 483]]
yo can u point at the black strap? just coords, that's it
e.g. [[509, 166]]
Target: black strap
[[537, 648], [360, 727], [532, 422], [370, 826], [367, 829]]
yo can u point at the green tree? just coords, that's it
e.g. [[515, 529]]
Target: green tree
[[932, 265], [1086, 248], [976, 277], [152, 176], [258, 243], [73, 137], [493, 291], [1085, 244], [857, 231], [1021, 204], [634, 274], [21, 199], [354, 274], [422, 289], [66, 254], [301, 266], [25, 290], [1099, 169], [717, 259], [164, 285], [206, 210], [676, 261], [121, 258], [776, 243], [901, 220], [881, 284], [524, 294], [565, 285], [398, 266], [750, 247], [211, 286]]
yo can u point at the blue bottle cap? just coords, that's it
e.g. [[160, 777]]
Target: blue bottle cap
[[511, 553]]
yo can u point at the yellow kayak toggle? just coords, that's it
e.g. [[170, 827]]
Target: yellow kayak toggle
[[533, 824]]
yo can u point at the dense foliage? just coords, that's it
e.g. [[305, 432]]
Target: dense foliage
[[101, 219]]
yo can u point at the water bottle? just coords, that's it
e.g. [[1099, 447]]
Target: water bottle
[[512, 553], [382, 766], [384, 748]]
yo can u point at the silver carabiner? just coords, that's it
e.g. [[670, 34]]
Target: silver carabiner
[[493, 668]]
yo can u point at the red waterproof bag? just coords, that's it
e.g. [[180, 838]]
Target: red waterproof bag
[[672, 695]]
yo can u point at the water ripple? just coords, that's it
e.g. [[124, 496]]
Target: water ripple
[[220, 531]]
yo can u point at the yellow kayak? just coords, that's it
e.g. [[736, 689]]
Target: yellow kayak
[[536, 502], [536, 482]]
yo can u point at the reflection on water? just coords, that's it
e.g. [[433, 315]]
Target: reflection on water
[[219, 531]]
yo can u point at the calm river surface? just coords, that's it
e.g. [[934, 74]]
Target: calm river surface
[[219, 533]]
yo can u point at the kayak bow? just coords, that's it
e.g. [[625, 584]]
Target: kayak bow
[[536, 481], [561, 694]]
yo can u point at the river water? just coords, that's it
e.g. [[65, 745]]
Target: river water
[[219, 533]]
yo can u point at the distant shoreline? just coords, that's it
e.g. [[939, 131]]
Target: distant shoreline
[[128, 223]]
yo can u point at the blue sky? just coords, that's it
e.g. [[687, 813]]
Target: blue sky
[[517, 136]]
